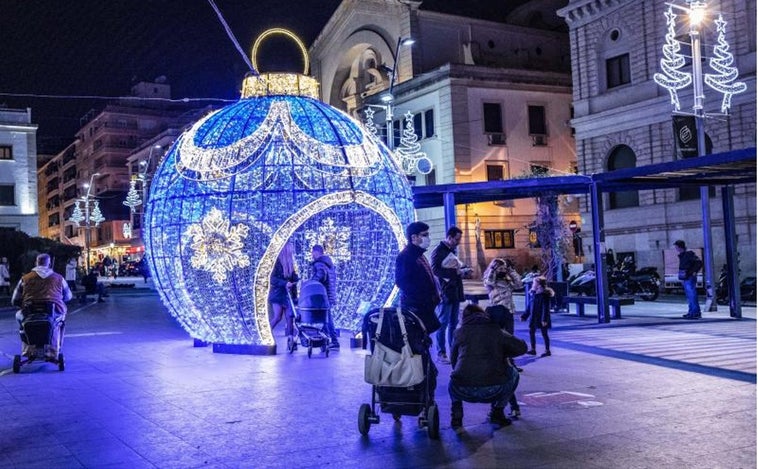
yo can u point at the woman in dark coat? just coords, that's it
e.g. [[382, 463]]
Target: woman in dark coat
[[539, 311], [283, 280]]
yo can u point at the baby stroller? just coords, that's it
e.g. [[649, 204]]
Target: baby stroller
[[37, 331], [310, 318], [416, 400]]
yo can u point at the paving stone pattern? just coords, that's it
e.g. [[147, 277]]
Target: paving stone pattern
[[644, 392]]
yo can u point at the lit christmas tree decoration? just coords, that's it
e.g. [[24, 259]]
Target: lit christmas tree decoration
[[672, 78], [724, 80], [409, 154], [77, 216], [97, 215], [277, 166], [132, 197]]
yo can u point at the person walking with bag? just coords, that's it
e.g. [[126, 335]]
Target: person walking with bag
[[451, 286], [540, 315]]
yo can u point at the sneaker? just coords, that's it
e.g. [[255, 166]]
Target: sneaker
[[442, 358], [497, 417], [334, 345], [691, 316], [546, 354], [531, 352], [515, 414]]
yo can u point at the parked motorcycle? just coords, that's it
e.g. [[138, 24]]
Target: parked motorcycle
[[645, 283], [625, 280]]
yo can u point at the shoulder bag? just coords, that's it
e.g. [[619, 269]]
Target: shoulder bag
[[386, 367]]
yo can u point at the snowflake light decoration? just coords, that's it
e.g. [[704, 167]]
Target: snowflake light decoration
[[335, 239], [217, 246]]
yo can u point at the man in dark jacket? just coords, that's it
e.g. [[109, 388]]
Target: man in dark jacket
[[689, 265], [447, 268], [481, 371], [414, 277], [322, 270]]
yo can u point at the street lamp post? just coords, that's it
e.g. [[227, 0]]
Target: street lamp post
[[133, 199], [388, 97], [722, 81], [83, 220]]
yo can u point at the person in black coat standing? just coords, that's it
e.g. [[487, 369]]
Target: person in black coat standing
[[414, 277], [451, 286], [322, 270], [539, 311]]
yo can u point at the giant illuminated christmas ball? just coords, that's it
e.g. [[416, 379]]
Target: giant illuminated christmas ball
[[277, 166]]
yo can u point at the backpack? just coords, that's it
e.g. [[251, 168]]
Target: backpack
[[697, 264]]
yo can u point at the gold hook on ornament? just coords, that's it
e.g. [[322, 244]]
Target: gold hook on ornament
[[289, 34]]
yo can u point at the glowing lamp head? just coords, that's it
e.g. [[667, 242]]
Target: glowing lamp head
[[697, 13]]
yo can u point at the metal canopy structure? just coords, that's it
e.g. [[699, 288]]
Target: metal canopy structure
[[723, 169]]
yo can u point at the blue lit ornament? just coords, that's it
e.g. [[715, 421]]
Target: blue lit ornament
[[276, 166]]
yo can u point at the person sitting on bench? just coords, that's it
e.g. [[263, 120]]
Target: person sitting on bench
[[92, 286]]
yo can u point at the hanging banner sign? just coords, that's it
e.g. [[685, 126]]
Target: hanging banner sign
[[685, 136]]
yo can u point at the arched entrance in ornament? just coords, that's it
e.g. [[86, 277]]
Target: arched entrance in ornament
[[262, 282]]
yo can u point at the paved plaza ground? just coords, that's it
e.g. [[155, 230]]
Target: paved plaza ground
[[647, 391]]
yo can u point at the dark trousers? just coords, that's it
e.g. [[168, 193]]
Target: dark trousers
[[533, 337]]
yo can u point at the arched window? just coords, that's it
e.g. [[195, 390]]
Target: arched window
[[622, 157]]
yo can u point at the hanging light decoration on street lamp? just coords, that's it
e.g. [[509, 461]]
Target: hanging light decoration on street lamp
[[132, 197]]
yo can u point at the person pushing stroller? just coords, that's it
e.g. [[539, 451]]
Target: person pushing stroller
[[322, 270]]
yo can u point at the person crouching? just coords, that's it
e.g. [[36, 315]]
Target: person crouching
[[481, 371]]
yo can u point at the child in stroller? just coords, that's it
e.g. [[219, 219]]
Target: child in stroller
[[41, 334], [310, 318]]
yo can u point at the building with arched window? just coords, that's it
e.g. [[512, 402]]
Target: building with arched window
[[489, 100], [623, 118]]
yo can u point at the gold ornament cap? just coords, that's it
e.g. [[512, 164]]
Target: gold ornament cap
[[268, 84]]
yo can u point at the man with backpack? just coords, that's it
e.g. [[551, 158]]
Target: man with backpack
[[689, 266]]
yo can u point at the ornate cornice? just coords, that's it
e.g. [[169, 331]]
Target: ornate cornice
[[580, 12]]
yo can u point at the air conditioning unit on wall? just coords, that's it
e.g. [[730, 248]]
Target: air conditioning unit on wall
[[495, 139]]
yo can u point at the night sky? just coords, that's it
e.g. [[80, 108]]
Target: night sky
[[101, 48]]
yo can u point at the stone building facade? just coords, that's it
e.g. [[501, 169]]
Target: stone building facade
[[18, 166], [623, 118], [489, 101]]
